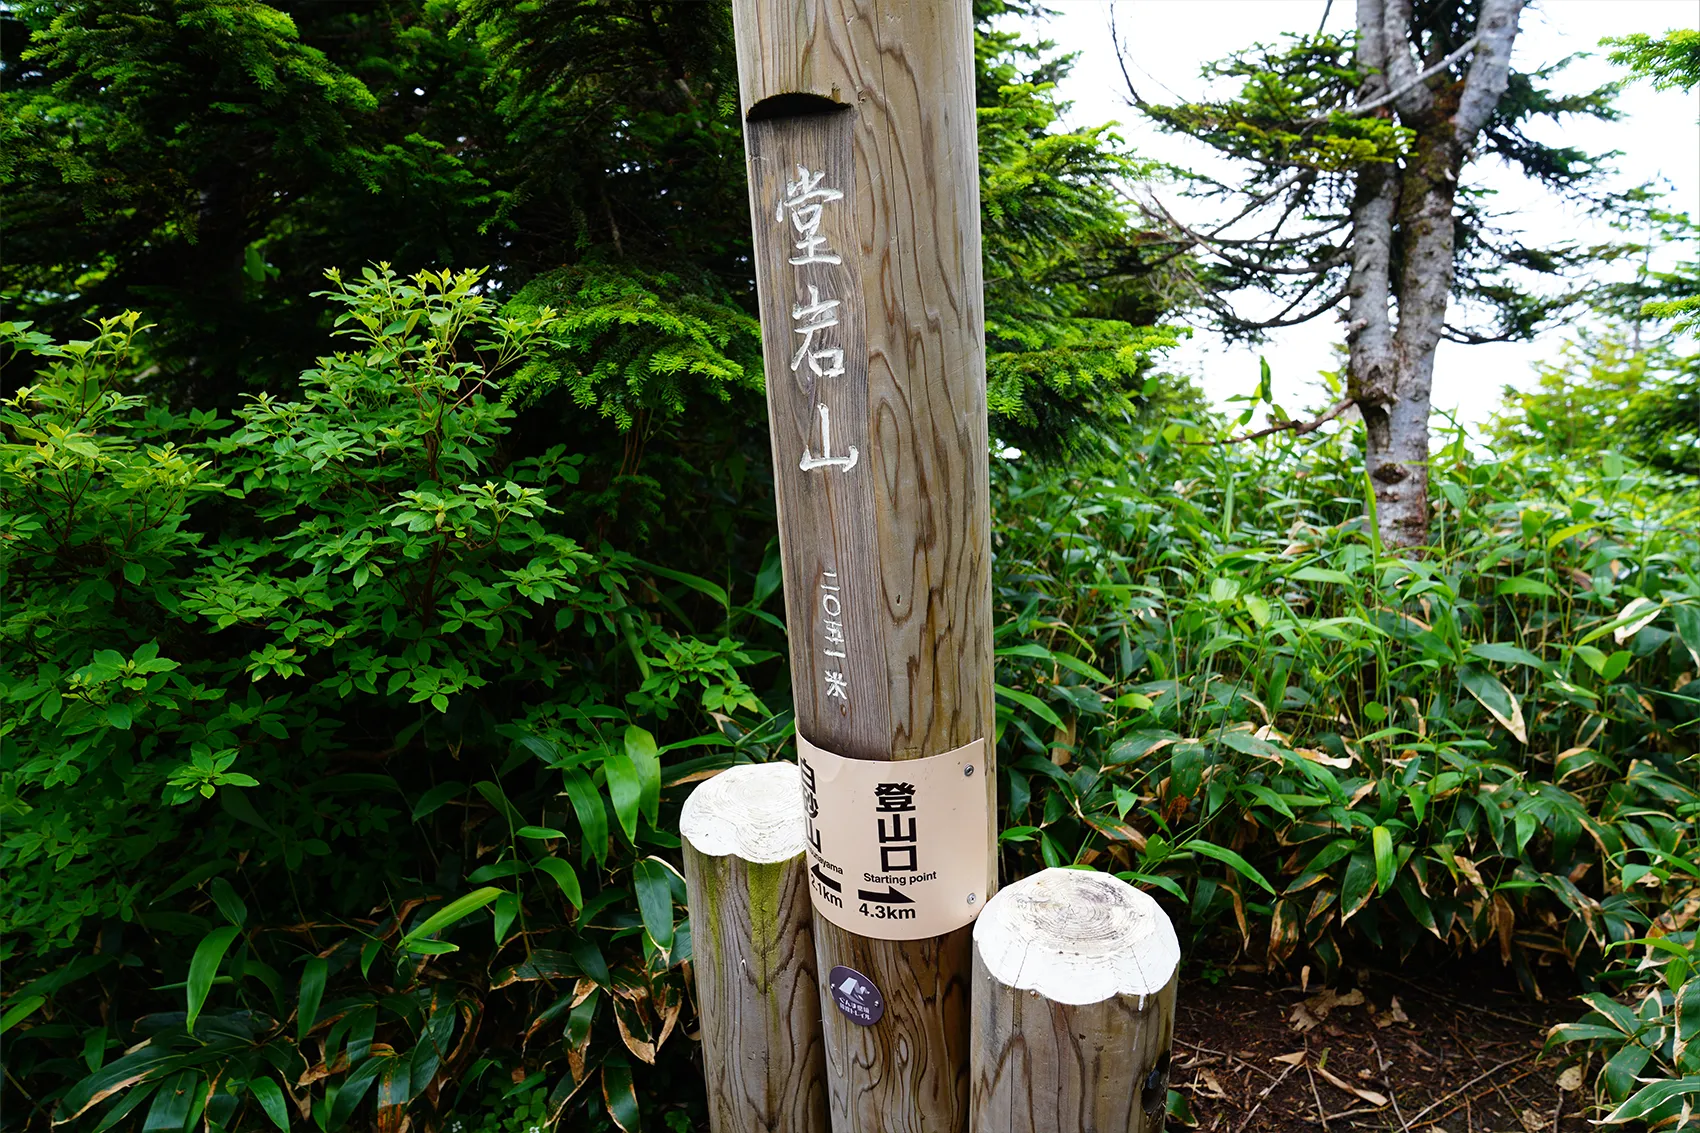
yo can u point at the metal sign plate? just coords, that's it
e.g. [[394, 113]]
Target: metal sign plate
[[856, 996]]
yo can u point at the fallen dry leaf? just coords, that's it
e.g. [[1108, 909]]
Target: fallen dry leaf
[[1370, 1096], [1533, 1122], [1292, 1059], [1314, 1010], [1570, 1080], [1209, 1086], [1393, 1014]]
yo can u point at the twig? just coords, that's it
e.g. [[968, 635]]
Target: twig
[[1297, 428], [1465, 1103], [1498, 1089], [1387, 1079], [1418, 1116], [1320, 1112], [1264, 1096], [1474, 1009], [1227, 1055]]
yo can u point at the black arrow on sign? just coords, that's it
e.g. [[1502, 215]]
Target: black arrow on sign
[[891, 896], [825, 880]]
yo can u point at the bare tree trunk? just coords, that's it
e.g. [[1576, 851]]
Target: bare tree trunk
[[1392, 370]]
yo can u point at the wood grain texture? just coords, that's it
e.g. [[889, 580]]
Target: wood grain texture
[[1074, 1006], [906, 531], [753, 953]]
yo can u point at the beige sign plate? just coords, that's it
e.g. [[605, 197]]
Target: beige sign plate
[[897, 850]]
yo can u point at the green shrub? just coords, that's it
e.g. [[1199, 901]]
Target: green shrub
[[1651, 1069], [344, 739], [1219, 686], [324, 722]]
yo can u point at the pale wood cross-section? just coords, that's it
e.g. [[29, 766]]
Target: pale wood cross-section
[[753, 952], [1074, 1007], [878, 96]]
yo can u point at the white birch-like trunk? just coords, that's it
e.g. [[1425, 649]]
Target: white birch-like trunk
[[1392, 341]]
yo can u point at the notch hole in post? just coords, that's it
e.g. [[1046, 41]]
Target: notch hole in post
[[794, 104], [1155, 1093]]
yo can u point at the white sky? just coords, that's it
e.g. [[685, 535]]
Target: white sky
[[1167, 43]]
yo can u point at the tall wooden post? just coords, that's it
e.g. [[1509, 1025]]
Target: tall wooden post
[[864, 194]]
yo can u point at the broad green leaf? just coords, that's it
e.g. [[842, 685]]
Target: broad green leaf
[[1621, 1069], [1650, 1097], [503, 911], [312, 993], [1523, 584], [700, 585], [1358, 885], [1382, 840], [541, 833], [452, 913], [270, 1097], [209, 954], [592, 813], [1496, 698], [354, 1088], [169, 1112], [19, 1010], [625, 791], [498, 800], [1230, 859], [1687, 619], [654, 887], [618, 1095], [433, 799], [235, 910], [640, 748], [1506, 654], [138, 1065], [1032, 703], [1635, 617], [1321, 574], [565, 879]]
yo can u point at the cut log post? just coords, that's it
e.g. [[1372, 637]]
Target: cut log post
[[753, 952], [863, 166], [1074, 1007]]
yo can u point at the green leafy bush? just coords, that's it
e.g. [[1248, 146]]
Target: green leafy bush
[[1219, 686], [325, 719], [1651, 1071]]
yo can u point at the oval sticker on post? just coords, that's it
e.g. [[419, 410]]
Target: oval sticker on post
[[897, 850], [856, 996]]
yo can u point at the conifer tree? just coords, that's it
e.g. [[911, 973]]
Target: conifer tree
[[1355, 202]]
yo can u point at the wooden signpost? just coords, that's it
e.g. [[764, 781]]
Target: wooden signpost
[[864, 197]]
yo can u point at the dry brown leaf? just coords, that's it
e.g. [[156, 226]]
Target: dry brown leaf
[[1503, 922], [1333, 1079], [1533, 1122], [1393, 1014], [1469, 870], [1570, 1079], [1302, 1020], [1339, 763], [1207, 1084], [1292, 1059]]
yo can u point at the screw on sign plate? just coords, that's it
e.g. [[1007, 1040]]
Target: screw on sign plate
[[856, 996]]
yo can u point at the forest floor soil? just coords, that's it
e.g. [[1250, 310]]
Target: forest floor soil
[[1445, 1051]]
